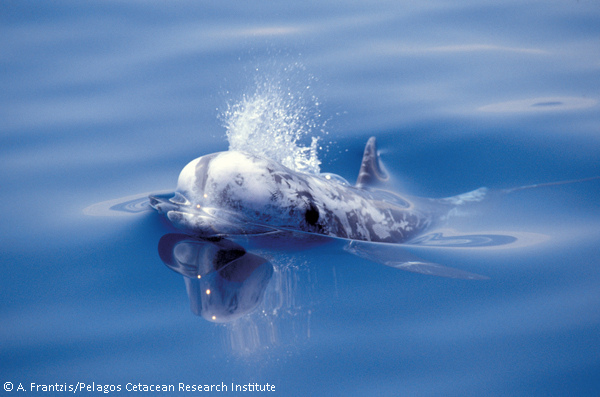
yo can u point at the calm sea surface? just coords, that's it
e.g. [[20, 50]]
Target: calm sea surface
[[101, 100]]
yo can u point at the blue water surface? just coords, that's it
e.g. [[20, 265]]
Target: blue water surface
[[101, 100]]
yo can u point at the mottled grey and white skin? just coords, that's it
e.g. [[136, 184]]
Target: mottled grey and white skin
[[232, 193]]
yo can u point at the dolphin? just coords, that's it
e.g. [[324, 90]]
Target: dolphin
[[234, 192]]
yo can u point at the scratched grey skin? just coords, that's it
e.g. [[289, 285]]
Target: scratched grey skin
[[233, 192]]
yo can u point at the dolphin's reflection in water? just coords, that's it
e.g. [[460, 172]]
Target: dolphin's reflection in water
[[264, 298], [223, 281], [256, 301]]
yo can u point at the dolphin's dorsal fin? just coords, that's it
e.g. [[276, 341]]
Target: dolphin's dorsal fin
[[371, 172]]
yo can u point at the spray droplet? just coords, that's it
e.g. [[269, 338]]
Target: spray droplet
[[275, 122]]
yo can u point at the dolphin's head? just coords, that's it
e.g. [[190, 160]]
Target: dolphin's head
[[235, 192]]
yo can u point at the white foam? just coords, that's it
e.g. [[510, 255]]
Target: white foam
[[276, 122]]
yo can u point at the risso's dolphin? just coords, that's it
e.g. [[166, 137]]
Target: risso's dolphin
[[233, 192]]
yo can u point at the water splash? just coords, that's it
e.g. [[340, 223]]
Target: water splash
[[277, 121]]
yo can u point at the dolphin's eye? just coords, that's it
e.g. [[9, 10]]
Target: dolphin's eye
[[312, 215]]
